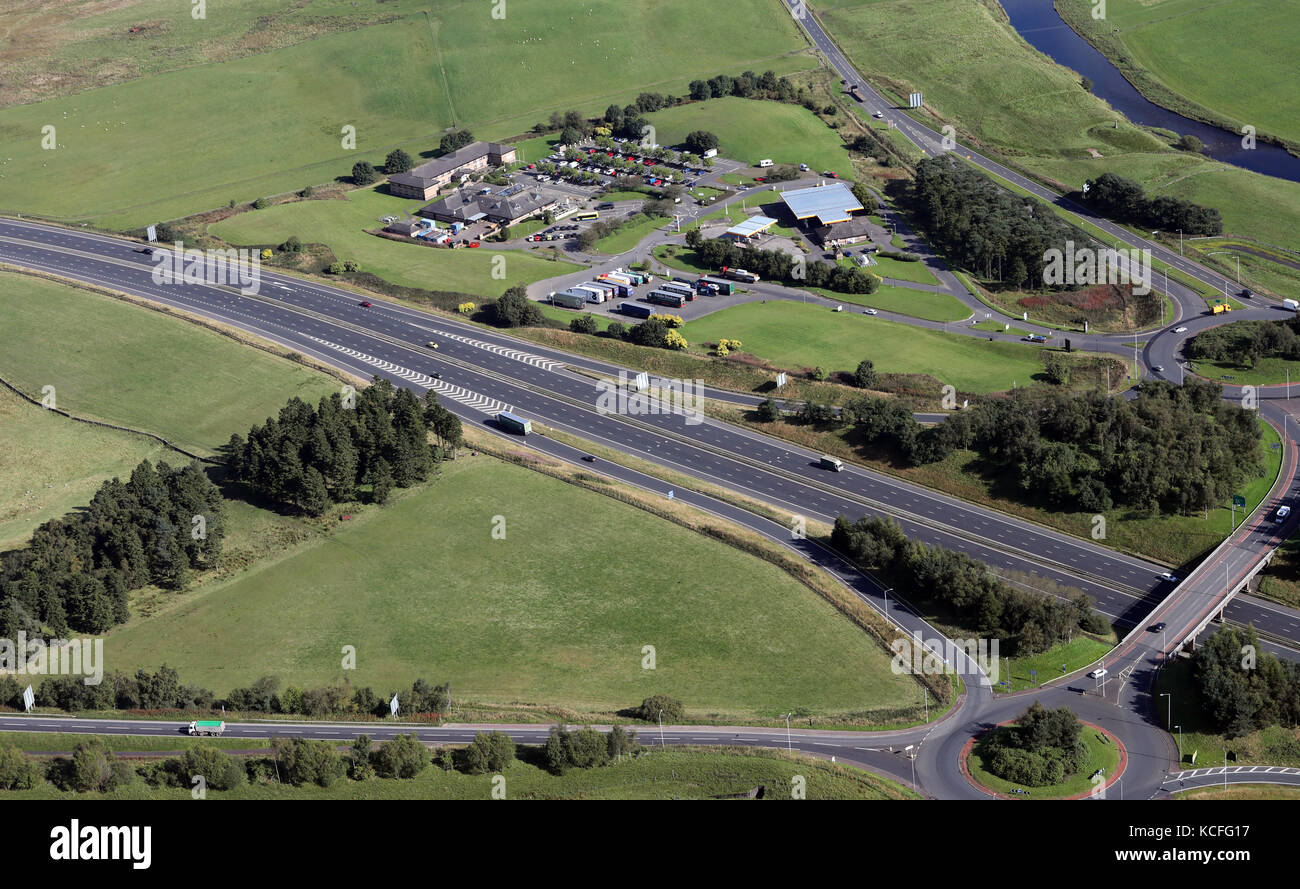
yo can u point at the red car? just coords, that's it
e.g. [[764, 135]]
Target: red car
[[473, 243], [365, 304], [760, 179]]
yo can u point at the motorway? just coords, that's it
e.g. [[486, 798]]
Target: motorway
[[478, 372]]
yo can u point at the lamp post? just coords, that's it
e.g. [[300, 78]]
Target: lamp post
[[661, 727], [1180, 744], [788, 746]]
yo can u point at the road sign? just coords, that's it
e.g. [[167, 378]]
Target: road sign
[[29, 699], [151, 233], [392, 705], [642, 381], [1238, 500], [780, 380], [914, 100]]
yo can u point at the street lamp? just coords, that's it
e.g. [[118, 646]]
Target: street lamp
[[661, 727], [1180, 744], [788, 747]]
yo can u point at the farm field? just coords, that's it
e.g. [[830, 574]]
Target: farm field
[[546, 614], [751, 129], [341, 224], [126, 364], [285, 103], [1178, 45], [979, 75], [659, 774], [53, 465], [797, 335]]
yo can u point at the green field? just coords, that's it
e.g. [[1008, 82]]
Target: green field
[[888, 267], [631, 234], [266, 118], [979, 75], [924, 304], [668, 775], [547, 615], [1176, 46], [127, 364], [796, 335], [749, 130], [342, 223], [53, 465]]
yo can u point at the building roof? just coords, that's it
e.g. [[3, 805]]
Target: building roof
[[427, 172], [752, 226], [826, 203], [854, 227], [462, 205]]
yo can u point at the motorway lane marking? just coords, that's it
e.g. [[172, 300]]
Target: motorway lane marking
[[467, 397]]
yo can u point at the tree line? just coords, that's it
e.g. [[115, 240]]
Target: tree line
[[1169, 449], [1025, 622], [1244, 343], [308, 458], [1243, 687], [776, 265], [981, 226], [158, 527], [1125, 201]]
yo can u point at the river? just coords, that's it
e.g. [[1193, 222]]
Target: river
[[1038, 22]]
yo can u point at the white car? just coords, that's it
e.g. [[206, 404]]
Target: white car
[[1282, 513], [870, 312], [1172, 578], [1180, 330], [1098, 673], [877, 114]]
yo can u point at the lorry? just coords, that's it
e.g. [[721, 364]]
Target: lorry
[[1291, 304], [685, 290], [568, 300], [725, 287], [514, 424], [207, 727], [1218, 308], [665, 298], [831, 463], [594, 294], [636, 310], [740, 275]]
